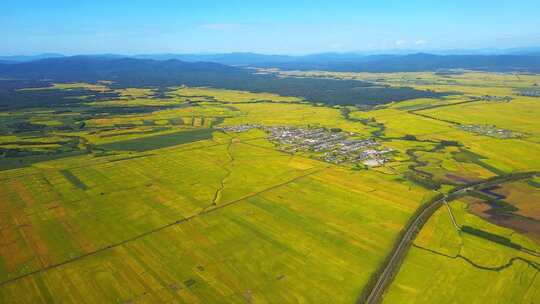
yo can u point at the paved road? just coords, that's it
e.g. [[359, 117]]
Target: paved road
[[395, 260], [392, 265]]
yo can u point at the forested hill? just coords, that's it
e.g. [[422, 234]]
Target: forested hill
[[130, 72], [342, 62], [414, 63], [91, 68], [353, 62]]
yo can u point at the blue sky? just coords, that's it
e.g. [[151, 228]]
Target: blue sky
[[279, 27]]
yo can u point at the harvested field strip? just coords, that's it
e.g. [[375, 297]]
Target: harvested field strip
[[465, 155], [33, 173], [504, 241], [128, 158], [434, 118], [73, 179], [155, 130], [445, 105], [159, 141]]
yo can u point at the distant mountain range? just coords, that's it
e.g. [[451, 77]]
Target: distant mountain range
[[353, 62], [250, 59], [238, 58], [253, 58], [421, 62], [513, 60], [24, 58], [106, 67]]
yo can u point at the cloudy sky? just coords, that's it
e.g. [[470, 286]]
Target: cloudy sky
[[278, 27]]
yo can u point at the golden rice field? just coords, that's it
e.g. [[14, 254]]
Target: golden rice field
[[146, 229], [142, 198]]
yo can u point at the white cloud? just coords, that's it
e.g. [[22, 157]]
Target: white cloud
[[336, 46], [400, 42], [221, 26], [420, 42]]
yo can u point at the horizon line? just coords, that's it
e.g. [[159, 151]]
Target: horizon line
[[395, 51]]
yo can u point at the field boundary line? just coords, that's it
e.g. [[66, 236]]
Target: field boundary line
[[158, 229], [452, 216], [415, 111], [43, 170]]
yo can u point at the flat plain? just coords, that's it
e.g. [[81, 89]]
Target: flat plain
[[184, 196]]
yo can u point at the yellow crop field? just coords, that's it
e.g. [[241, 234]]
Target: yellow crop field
[[185, 194], [96, 203]]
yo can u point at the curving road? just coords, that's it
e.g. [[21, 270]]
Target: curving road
[[375, 289]]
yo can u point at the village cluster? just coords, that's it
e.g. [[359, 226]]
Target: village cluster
[[334, 146], [493, 98], [490, 130], [531, 92]]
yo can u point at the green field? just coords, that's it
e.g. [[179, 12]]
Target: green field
[[158, 141]]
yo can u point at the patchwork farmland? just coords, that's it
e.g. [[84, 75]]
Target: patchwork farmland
[[149, 195]]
